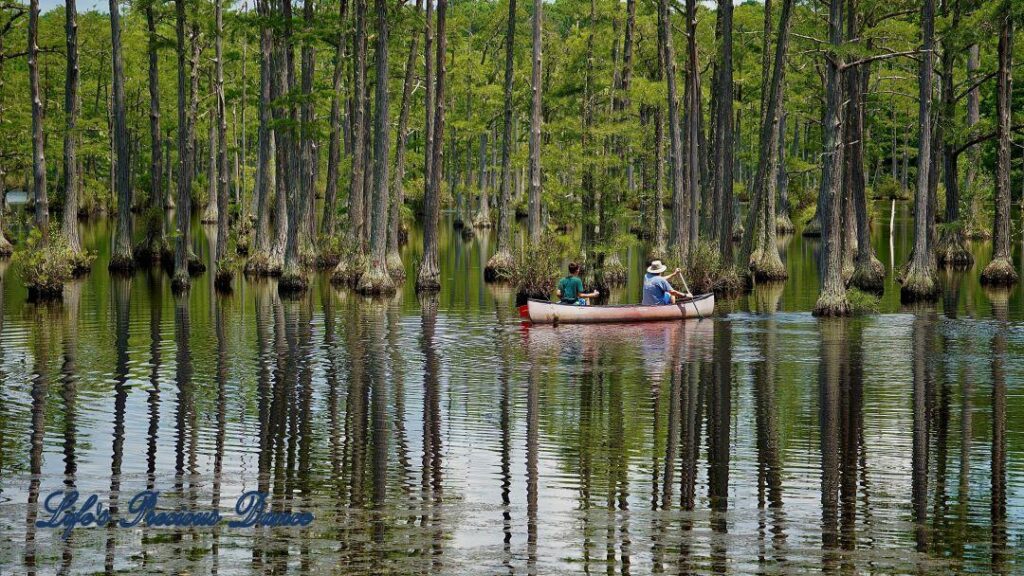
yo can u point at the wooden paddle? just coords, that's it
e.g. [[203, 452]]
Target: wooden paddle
[[687, 288]]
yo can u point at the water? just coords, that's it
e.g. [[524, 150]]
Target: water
[[442, 436]]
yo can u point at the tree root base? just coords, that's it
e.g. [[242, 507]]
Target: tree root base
[[223, 280], [348, 271], [49, 293], [151, 251], [121, 264], [181, 282], [767, 266], [999, 272], [812, 228], [292, 283], [918, 286], [482, 221], [615, 273], [499, 267], [261, 264], [195, 265], [952, 253], [395, 266], [869, 276], [832, 306], [783, 225], [375, 281], [428, 281]]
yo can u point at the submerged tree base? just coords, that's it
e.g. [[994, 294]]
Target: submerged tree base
[[813, 227], [951, 251], [832, 305], [181, 282], [375, 281], [783, 224], [869, 276], [499, 267], [292, 283], [349, 270], [482, 221], [918, 286], [615, 273], [262, 264], [195, 265], [999, 272], [767, 266], [151, 251], [395, 266], [121, 264], [223, 280]]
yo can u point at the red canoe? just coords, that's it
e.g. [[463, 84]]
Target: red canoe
[[542, 312]]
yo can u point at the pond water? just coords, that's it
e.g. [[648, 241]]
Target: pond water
[[442, 436]]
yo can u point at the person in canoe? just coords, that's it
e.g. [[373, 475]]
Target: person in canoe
[[570, 288], [657, 289]]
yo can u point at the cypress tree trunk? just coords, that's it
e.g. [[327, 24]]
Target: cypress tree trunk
[[760, 251], [679, 238], [42, 208], [429, 276], [783, 223], [535, 125], [1000, 271], [224, 270], [154, 247], [724, 136], [259, 263], [500, 264], [72, 105], [307, 160], [483, 215], [121, 258], [5, 244], [594, 273], [394, 260], [952, 249], [832, 299], [293, 278], [182, 249], [975, 228], [334, 148], [868, 272], [919, 283], [694, 184], [348, 269], [376, 280]]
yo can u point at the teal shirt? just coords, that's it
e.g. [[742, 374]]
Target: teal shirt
[[570, 287]]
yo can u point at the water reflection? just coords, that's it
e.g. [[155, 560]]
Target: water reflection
[[438, 435]]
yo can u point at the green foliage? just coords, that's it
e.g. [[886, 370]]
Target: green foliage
[[536, 267], [706, 272], [862, 303], [44, 268], [887, 188]]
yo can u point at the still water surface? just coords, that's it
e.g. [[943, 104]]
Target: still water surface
[[441, 436]]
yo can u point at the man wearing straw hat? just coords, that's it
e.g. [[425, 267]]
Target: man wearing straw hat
[[657, 289]]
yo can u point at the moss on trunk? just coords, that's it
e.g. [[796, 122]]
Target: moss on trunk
[[951, 250], [832, 305]]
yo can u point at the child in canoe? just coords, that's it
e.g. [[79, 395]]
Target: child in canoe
[[570, 288]]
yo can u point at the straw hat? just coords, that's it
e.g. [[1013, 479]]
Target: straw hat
[[656, 267]]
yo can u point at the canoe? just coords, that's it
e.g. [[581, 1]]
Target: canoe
[[543, 312]]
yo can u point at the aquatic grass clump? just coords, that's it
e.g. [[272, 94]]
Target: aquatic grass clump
[[262, 264], [44, 267], [225, 274], [153, 246], [862, 303], [706, 272], [330, 252]]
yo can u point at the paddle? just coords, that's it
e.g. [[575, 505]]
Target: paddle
[[687, 288]]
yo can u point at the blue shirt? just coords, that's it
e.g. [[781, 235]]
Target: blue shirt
[[655, 288]]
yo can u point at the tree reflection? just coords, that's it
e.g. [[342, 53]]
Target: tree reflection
[[121, 288], [432, 476], [1000, 301]]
